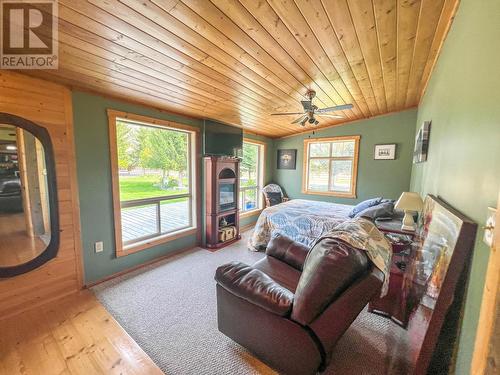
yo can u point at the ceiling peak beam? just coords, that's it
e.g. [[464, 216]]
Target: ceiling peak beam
[[297, 25], [271, 22], [318, 21], [341, 21]]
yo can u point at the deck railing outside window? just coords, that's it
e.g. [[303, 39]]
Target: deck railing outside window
[[251, 171], [154, 180], [248, 198], [147, 218]]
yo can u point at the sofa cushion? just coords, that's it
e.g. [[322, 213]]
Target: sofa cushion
[[364, 205], [255, 286], [279, 271], [330, 268], [287, 250], [274, 198]]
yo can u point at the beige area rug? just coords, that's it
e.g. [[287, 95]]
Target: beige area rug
[[169, 309]]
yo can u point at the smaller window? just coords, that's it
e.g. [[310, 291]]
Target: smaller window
[[251, 176], [331, 166]]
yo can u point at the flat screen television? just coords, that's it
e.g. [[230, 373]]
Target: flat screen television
[[227, 196], [221, 139]]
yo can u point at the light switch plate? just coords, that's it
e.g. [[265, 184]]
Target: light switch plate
[[99, 247]]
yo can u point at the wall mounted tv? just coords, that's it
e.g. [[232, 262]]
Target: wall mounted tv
[[221, 140]]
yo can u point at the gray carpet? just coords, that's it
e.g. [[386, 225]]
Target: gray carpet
[[169, 309]]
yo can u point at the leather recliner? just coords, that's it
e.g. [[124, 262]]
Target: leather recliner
[[291, 307]]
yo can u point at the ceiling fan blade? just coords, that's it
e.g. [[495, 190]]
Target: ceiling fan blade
[[307, 104], [287, 113], [327, 115], [301, 118], [335, 108]]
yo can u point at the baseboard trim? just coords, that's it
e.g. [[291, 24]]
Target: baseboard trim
[[139, 266], [153, 261], [247, 227]]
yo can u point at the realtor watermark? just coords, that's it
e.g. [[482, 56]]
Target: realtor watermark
[[29, 34]]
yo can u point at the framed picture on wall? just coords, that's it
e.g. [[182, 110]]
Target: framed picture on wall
[[385, 152], [422, 143], [287, 159]]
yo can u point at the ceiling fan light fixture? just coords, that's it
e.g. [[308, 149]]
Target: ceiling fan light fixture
[[310, 110]]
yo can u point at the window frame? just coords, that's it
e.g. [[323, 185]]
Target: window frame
[[260, 184], [122, 249], [305, 169]]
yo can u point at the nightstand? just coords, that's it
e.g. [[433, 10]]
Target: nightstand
[[393, 226], [395, 304]]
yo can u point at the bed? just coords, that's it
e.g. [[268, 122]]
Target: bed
[[303, 220]]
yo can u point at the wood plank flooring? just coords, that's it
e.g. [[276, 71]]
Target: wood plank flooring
[[16, 247], [74, 335]]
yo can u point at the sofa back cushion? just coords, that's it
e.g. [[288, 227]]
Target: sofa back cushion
[[330, 268], [274, 198], [287, 250]]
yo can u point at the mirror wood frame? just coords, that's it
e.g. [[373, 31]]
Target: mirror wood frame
[[52, 248]]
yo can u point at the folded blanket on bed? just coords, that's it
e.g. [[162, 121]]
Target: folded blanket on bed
[[362, 234]]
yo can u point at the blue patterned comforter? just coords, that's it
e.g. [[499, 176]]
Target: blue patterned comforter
[[302, 220]]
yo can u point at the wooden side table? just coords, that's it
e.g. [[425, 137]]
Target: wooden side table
[[395, 304], [394, 227]]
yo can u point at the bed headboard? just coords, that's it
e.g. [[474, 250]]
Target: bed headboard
[[436, 281]]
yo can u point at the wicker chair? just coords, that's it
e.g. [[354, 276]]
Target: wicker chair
[[273, 188]]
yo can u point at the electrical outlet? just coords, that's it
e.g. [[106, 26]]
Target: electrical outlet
[[99, 247]]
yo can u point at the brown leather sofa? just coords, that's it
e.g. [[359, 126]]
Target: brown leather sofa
[[292, 306]]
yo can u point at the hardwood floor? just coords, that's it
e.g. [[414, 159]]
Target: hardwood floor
[[74, 335], [16, 246]]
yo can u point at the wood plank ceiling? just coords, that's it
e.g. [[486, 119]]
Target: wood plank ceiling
[[237, 61]]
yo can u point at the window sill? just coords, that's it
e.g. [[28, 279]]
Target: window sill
[[256, 211], [144, 245], [330, 193]]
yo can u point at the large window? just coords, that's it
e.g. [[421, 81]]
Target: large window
[[251, 176], [331, 166], [153, 180]]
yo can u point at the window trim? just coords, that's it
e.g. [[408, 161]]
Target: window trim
[[120, 249], [305, 167], [262, 167]]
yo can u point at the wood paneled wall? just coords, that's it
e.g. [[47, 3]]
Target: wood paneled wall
[[48, 105]]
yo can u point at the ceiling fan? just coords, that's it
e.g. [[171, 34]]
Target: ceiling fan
[[310, 111]]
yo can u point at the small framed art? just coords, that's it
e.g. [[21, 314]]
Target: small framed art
[[287, 159], [385, 152], [422, 143]]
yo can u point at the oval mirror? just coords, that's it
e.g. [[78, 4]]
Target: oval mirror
[[29, 233]]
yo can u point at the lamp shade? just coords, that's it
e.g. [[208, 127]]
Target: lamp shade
[[409, 201]]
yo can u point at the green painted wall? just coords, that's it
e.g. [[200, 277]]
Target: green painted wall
[[94, 180], [387, 178], [463, 166]]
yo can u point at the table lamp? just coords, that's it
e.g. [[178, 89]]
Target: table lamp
[[409, 202]]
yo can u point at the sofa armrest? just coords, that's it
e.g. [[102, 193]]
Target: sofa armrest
[[255, 287], [287, 250]]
